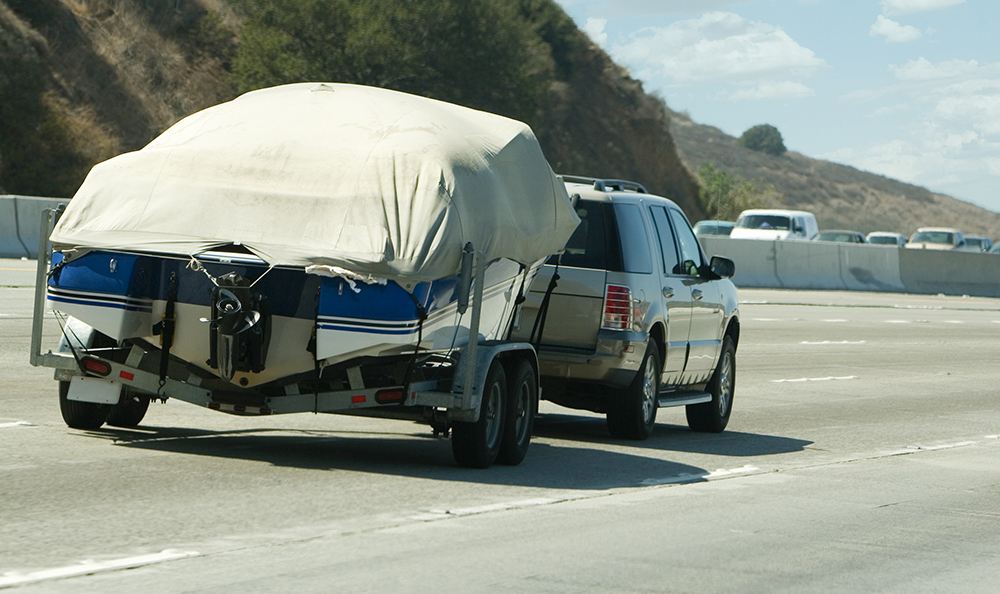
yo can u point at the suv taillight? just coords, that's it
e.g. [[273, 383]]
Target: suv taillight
[[617, 308]]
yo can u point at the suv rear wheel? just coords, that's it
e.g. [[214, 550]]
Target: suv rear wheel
[[632, 413]]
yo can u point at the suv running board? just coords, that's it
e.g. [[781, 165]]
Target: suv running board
[[683, 397]]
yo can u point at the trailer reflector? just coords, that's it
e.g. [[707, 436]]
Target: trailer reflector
[[358, 399], [387, 396], [126, 375], [95, 366]]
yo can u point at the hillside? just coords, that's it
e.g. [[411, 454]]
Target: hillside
[[841, 197], [84, 80], [94, 78]]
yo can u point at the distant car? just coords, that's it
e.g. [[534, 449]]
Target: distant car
[[775, 223], [713, 228], [978, 243], [937, 238], [886, 238], [840, 236]]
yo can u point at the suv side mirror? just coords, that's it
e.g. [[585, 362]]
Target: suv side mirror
[[722, 267]]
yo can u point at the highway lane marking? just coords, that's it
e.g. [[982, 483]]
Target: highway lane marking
[[16, 424], [90, 567], [686, 477], [835, 342], [834, 321], [954, 322], [814, 379]]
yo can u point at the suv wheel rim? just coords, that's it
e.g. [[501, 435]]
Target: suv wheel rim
[[648, 392], [725, 383]]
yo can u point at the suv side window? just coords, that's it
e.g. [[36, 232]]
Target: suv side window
[[633, 239], [668, 250], [690, 249]]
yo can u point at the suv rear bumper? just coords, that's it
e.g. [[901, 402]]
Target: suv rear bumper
[[614, 361]]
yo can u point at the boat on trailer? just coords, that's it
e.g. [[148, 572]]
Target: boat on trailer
[[313, 247]]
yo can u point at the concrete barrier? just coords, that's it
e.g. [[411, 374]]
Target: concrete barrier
[[809, 265], [754, 259], [950, 273], [20, 221], [10, 244], [871, 268]]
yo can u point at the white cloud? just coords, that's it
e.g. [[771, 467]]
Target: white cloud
[[595, 29], [772, 90], [893, 31], [717, 46], [923, 69], [957, 139], [901, 7]]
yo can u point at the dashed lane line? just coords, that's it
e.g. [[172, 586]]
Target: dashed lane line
[[814, 379], [91, 567]]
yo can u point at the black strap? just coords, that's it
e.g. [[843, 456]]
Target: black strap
[[543, 311], [169, 323]]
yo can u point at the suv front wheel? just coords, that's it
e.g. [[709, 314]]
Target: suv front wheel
[[712, 417], [632, 413]]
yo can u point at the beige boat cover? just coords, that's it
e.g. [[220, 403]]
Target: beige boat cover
[[371, 180]]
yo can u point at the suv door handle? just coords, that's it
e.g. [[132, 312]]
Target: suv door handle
[[697, 294], [668, 292]]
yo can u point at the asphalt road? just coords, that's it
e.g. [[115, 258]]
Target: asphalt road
[[863, 455]]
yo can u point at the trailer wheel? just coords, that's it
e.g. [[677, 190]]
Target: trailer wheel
[[632, 412], [476, 445], [130, 410], [522, 404], [712, 417], [81, 415]]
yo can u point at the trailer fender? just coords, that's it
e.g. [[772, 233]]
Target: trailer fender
[[486, 353]]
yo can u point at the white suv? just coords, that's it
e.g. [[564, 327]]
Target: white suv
[[638, 317]]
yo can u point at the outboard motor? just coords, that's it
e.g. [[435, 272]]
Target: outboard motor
[[240, 329]]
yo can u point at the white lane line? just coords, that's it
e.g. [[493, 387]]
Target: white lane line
[[916, 448], [16, 424], [835, 342], [91, 567], [768, 320], [898, 321], [686, 477], [834, 321], [814, 379], [954, 322]]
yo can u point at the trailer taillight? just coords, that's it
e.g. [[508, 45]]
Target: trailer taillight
[[617, 308], [95, 366]]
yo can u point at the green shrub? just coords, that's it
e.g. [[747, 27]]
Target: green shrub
[[478, 53], [764, 138], [725, 196]]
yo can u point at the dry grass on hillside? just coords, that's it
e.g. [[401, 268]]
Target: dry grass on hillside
[[841, 197]]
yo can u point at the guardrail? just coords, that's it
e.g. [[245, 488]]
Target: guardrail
[[19, 224], [857, 267]]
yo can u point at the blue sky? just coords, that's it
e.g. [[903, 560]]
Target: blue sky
[[909, 89]]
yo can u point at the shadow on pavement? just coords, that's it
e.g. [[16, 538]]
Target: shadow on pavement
[[574, 465], [667, 437]]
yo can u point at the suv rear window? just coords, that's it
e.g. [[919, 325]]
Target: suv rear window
[[594, 244]]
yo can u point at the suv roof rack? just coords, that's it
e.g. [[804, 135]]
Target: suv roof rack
[[607, 185]]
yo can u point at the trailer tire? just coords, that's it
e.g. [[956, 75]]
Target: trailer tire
[[632, 412], [712, 417], [477, 444], [81, 415], [130, 410], [522, 405]]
